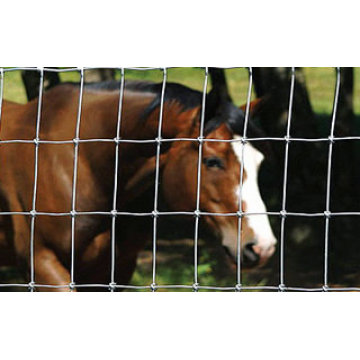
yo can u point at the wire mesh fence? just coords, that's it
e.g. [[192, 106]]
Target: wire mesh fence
[[155, 214]]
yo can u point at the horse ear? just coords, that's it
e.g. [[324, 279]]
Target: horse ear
[[256, 106], [143, 177], [221, 110], [236, 116]]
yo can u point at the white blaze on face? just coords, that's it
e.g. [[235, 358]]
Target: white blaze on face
[[250, 194]]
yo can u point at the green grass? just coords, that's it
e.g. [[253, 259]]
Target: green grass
[[238, 80], [320, 83]]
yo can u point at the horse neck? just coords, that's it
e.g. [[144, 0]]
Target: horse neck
[[175, 121], [100, 118]]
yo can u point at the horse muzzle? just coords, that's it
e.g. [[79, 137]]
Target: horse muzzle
[[254, 255]]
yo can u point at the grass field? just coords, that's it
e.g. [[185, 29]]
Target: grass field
[[320, 83], [175, 261]]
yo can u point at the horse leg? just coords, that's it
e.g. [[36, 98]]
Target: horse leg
[[133, 238], [95, 260], [126, 264], [7, 256], [47, 267], [49, 270]]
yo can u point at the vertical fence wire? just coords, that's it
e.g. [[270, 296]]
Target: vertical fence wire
[[36, 168], [1, 91], [242, 165], [285, 179], [327, 212], [115, 190], [198, 184], [157, 175], [74, 182]]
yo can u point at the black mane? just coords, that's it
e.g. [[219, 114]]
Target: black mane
[[188, 98], [215, 114]]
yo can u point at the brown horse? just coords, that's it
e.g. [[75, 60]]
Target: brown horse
[[178, 163]]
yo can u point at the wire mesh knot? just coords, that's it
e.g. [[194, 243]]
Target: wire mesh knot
[[331, 139], [31, 286], [287, 138], [113, 213], [195, 287], [244, 140], [238, 287], [325, 288], [282, 287], [36, 141], [33, 213], [112, 286], [327, 214], [72, 286], [117, 140], [155, 214], [76, 141], [153, 287], [158, 140], [283, 214], [200, 140], [73, 213], [197, 213], [239, 214]]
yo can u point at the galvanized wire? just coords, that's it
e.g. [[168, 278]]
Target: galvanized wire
[[115, 190], [157, 176], [198, 181], [1, 91], [36, 166], [286, 159], [240, 197], [197, 213], [164, 140], [328, 179], [74, 182]]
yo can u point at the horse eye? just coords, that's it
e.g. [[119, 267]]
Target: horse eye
[[214, 162]]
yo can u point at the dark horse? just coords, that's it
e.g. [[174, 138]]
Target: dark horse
[[178, 161]]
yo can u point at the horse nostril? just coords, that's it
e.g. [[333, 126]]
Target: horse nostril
[[250, 257]]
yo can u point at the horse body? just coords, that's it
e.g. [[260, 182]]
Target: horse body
[[95, 179]]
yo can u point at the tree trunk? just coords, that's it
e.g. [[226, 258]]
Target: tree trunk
[[345, 114], [31, 81], [274, 85], [98, 75]]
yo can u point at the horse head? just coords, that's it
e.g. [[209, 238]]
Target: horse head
[[221, 166], [221, 188]]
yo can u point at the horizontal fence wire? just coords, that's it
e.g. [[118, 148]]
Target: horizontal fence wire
[[164, 140], [327, 214], [72, 69]]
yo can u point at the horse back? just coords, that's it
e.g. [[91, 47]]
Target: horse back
[[18, 121]]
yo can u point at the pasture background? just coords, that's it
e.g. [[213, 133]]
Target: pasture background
[[320, 84], [175, 257]]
